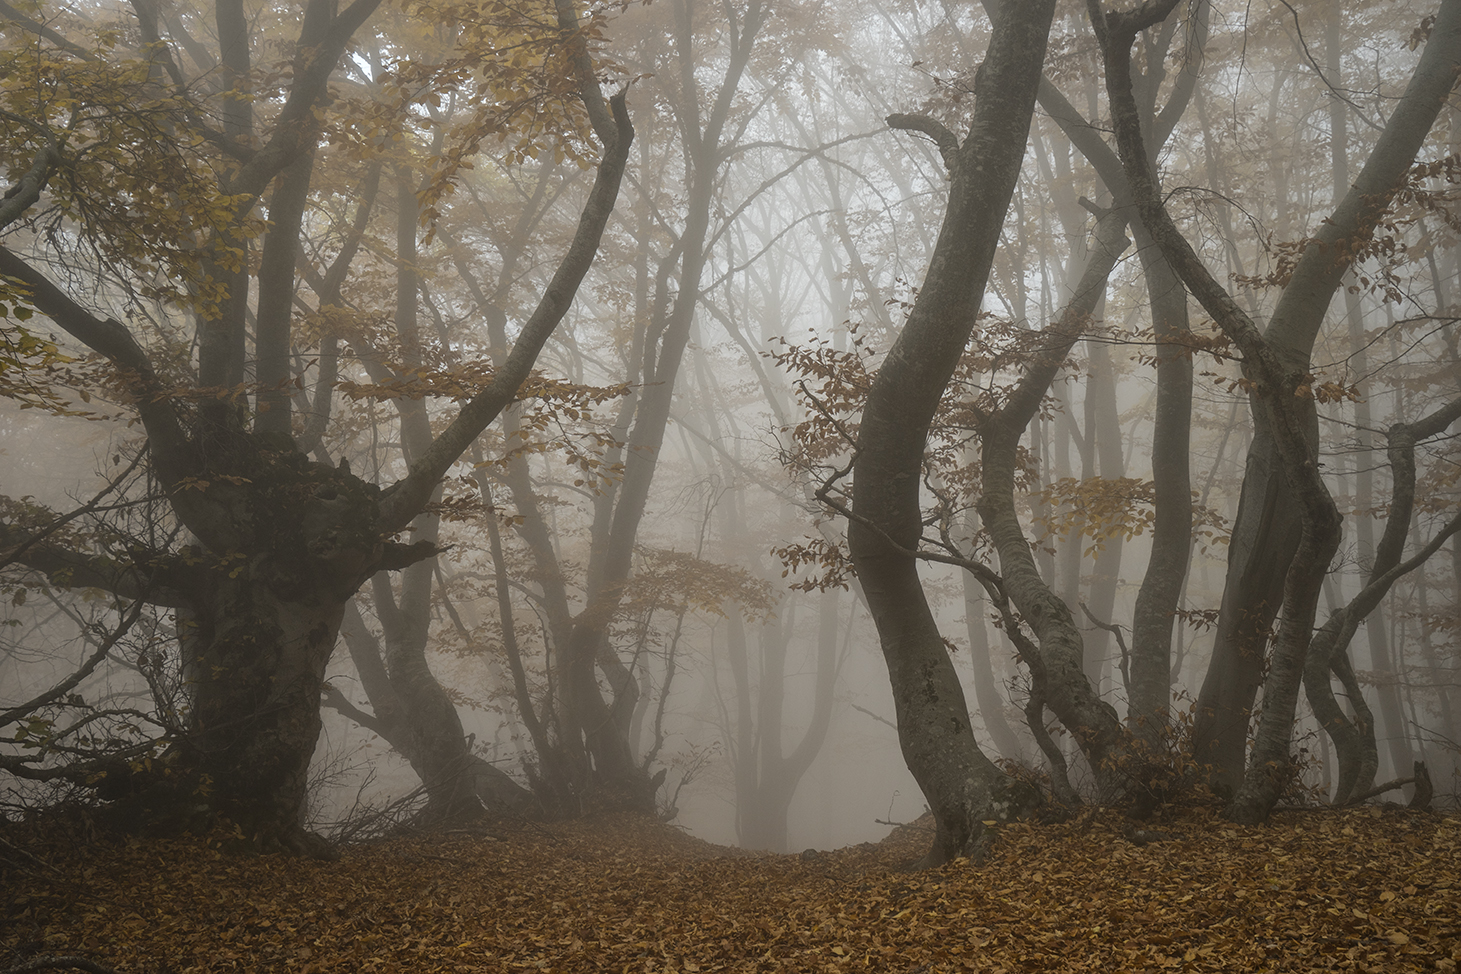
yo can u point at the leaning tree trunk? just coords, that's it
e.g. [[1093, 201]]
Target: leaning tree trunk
[[963, 787], [1061, 676], [1354, 741]]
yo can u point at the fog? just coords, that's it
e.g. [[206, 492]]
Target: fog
[[634, 587]]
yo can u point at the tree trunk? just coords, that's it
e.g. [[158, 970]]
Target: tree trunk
[[986, 687], [1354, 741], [1103, 432], [963, 787], [1161, 586], [1064, 686], [766, 777], [283, 543], [259, 637], [256, 665]]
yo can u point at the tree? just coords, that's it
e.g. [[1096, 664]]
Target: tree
[[280, 543], [963, 787], [1282, 465]]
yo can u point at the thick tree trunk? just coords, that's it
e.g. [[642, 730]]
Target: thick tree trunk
[[1264, 538], [261, 630], [282, 543], [962, 786], [256, 664]]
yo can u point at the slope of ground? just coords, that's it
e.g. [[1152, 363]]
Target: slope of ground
[[1363, 890]]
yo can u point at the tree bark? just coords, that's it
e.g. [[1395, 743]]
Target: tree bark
[[963, 787], [1066, 690], [1354, 741], [1161, 586]]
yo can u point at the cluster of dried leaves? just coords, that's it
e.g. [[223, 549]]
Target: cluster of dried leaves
[[1364, 890]]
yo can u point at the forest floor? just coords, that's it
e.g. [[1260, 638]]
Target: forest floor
[[1363, 890]]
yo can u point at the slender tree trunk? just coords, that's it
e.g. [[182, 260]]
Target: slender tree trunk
[[1103, 426], [986, 687], [1161, 586], [1354, 741], [1062, 681]]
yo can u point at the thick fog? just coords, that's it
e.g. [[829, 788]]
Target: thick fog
[[652, 538]]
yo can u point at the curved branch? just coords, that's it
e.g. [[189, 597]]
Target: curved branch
[[947, 142], [85, 670]]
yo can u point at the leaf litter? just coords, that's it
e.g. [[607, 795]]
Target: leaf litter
[[1360, 890]]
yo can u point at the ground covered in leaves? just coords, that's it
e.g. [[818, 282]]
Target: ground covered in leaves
[[1362, 890]]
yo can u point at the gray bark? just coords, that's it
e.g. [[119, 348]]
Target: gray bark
[[1066, 690], [963, 787], [1354, 740]]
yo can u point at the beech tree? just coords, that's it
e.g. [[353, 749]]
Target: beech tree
[[1282, 467], [278, 544], [963, 786]]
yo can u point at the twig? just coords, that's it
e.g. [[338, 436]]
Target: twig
[[877, 717], [14, 553], [1415, 779], [1120, 641], [33, 858]]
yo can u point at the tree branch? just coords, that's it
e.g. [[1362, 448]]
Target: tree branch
[[947, 142]]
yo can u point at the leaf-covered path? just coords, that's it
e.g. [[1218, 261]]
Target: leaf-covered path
[[1364, 890]]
